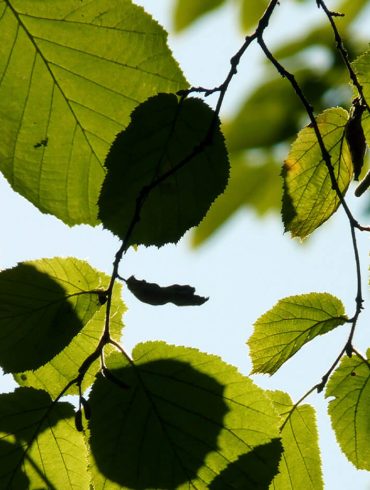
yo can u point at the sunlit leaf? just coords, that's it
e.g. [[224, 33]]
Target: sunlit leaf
[[44, 304], [309, 199], [300, 465], [39, 444], [54, 376], [164, 136], [185, 12], [181, 418], [349, 410], [71, 72], [291, 323]]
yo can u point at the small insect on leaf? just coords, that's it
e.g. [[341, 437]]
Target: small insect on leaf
[[43, 142], [355, 137], [153, 294]]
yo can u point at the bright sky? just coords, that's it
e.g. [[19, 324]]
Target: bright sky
[[244, 270]]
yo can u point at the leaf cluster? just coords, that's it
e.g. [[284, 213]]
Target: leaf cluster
[[102, 127]]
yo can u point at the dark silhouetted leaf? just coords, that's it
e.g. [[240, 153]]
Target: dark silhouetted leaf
[[291, 323], [184, 419], [152, 293], [255, 475], [44, 305], [164, 134], [309, 199], [71, 72], [349, 409], [39, 442]]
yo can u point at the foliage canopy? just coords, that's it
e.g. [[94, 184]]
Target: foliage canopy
[[99, 125]]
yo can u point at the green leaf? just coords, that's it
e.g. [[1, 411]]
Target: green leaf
[[309, 199], [185, 12], [184, 418], [167, 142], [251, 12], [58, 372], [300, 465], [71, 72], [291, 323], [349, 410], [39, 443], [254, 186], [361, 67], [44, 304]]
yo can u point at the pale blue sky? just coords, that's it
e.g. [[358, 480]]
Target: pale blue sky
[[244, 270]]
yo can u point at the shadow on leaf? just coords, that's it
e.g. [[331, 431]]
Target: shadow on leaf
[[252, 471], [158, 432]]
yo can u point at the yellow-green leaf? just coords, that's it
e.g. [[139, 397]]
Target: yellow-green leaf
[[187, 11], [300, 464], [71, 72], [291, 323], [349, 408], [39, 444], [309, 199]]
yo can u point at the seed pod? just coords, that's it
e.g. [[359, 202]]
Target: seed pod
[[153, 294], [86, 406], [355, 137], [363, 185], [78, 421], [109, 375]]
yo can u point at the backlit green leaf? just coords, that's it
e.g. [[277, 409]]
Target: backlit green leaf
[[187, 11], [39, 445], [362, 69], [54, 375], [309, 199], [71, 72], [291, 323], [185, 418], [300, 465], [43, 305], [349, 410], [164, 134]]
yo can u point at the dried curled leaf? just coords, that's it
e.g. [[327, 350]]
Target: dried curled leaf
[[355, 137], [152, 293]]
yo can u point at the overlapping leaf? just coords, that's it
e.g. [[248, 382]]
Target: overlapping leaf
[[164, 171], [54, 376], [309, 198], [183, 418], [291, 323], [349, 409], [39, 445], [71, 72], [43, 305], [300, 465]]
